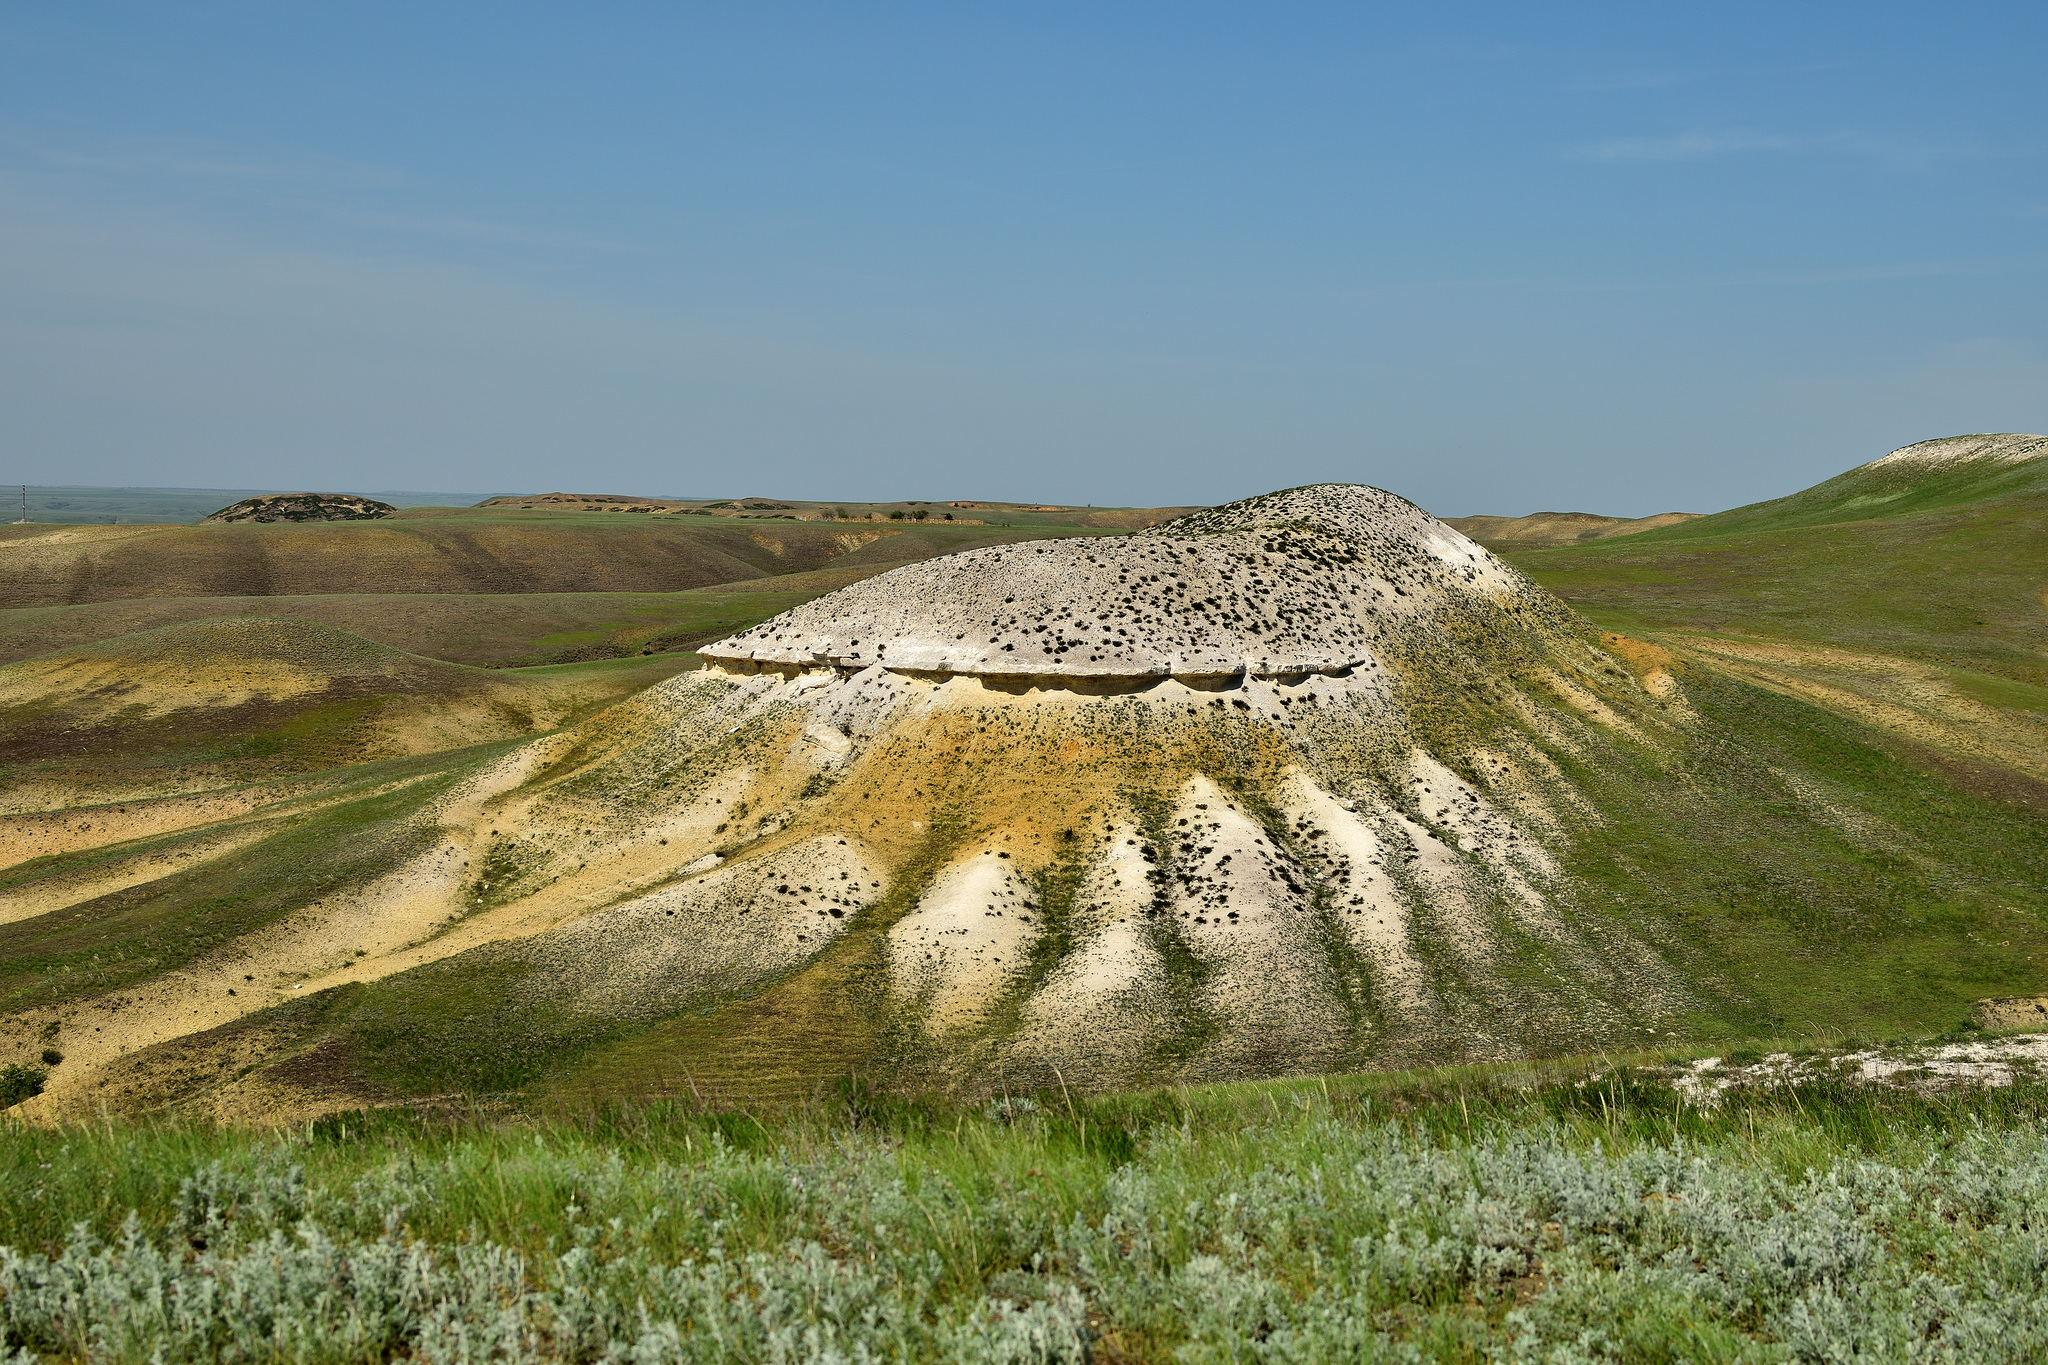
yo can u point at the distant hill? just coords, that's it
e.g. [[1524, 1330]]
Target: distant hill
[[1928, 476], [1540, 529], [456, 553], [301, 507], [80, 505], [499, 585], [1910, 593], [958, 512]]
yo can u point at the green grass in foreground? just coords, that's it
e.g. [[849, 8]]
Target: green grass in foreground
[[1443, 1217]]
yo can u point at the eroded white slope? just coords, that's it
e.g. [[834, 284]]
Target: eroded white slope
[[966, 941], [1103, 1010], [1364, 898], [725, 930], [1242, 906]]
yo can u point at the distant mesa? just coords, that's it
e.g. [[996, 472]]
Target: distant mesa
[[269, 507], [579, 502]]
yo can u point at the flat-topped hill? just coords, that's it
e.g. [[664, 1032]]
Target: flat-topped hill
[[299, 507], [1290, 583]]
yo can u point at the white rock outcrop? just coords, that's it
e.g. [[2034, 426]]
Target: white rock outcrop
[[1299, 582], [2009, 447]]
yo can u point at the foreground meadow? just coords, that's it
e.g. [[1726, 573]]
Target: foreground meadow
[[1445, 1217]]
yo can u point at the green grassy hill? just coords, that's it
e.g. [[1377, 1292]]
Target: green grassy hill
[[1943, 559]]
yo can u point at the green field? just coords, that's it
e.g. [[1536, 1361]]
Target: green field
[[1566, 1216]]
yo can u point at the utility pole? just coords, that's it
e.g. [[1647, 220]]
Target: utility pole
[[24, 506]]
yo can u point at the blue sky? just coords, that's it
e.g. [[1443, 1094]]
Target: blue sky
[[1619, 258]]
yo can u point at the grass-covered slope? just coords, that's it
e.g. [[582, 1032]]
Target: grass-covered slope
[[1952, 471], [1540, 530], [233, 700], [488, 629], [1938, 552]]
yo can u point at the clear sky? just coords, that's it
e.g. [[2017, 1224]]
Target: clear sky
[[1621, 258]]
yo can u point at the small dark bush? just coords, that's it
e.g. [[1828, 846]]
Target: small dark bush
[[18, 1083], [51, 1056]]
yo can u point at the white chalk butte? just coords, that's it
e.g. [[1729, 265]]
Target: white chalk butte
[[2009, 447], [1291, 583]]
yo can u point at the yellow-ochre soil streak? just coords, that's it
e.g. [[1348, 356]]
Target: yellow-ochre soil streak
[[48, 833], [122, 871], [418, 913]]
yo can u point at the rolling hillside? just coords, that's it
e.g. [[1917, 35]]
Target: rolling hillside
[[1910, 593], [1539, 530], [468, 586], [231, 700], [502, 553], [1939, 550], [1083, 845]]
